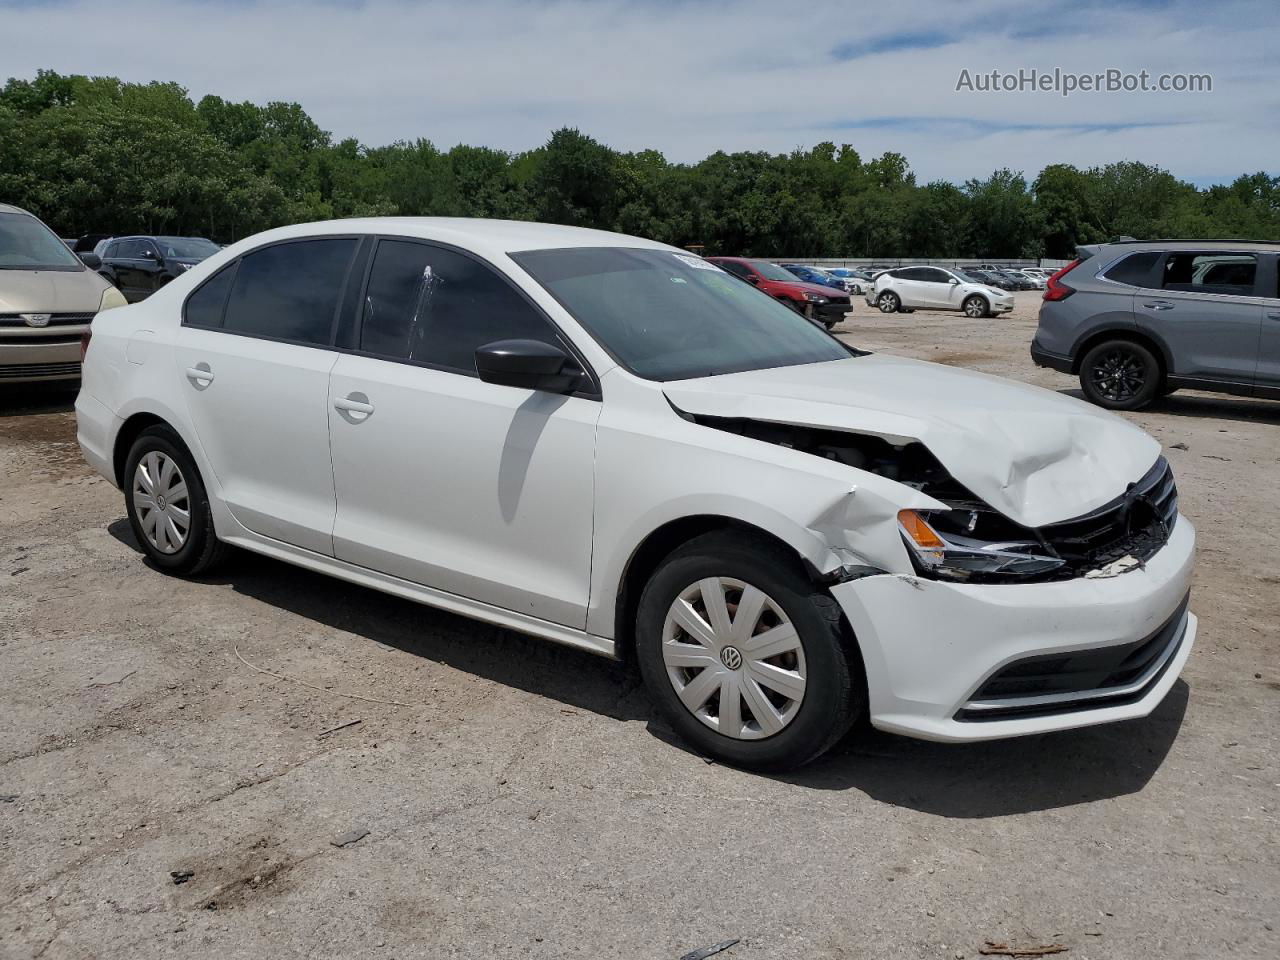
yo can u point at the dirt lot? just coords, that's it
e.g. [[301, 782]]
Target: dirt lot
[[524, 803]]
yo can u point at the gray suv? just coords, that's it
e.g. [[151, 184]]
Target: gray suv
[[1139, 319]]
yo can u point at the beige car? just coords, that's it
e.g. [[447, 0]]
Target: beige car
[[48, 296]]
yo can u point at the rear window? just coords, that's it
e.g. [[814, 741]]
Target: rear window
[[1134, 269], [1227, 273]]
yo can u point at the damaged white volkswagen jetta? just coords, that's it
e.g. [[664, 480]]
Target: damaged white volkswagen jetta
[[612, 444]]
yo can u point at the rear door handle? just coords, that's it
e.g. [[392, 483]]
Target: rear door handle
[[200, 375], [355, 405], [1273, 316], [1159, 305]]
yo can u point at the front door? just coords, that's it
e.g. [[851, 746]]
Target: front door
[[479, 490]]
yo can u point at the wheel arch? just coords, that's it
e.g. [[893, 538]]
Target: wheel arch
[[662, 542], [1141, 337]]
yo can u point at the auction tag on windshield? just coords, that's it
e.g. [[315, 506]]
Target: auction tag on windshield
[[696, 262]]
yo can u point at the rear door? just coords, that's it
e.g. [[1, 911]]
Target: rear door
[[910, 286], [254, 355], [477, 489], [1208, 312]]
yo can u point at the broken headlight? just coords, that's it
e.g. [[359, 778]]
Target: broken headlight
[[942, 544]]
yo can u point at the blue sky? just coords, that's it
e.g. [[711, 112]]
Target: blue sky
[[688, 77]]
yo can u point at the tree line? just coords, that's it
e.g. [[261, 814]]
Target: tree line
[[98, 155]]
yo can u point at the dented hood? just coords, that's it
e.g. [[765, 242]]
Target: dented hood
[[1036, 456]]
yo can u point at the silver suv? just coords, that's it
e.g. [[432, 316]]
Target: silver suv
[[1137, 320]]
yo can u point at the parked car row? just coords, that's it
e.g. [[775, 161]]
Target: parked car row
[[823, 302]]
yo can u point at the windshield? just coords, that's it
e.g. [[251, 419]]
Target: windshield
[[771, 271], [186, 248], [670, 316], [27, 244], [968, 277]]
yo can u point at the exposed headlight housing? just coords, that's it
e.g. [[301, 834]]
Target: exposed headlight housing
[[815, 298], [941, 546]]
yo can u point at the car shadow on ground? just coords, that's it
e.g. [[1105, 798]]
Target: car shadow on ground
[[29, 399], [572, 677], [1003, 777], [1241, 409], [966, 781]]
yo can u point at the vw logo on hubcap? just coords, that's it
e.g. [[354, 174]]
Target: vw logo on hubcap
[[731, 658]]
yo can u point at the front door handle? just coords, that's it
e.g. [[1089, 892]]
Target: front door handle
[[1273, 316], [1159, 305], [200, 375], [354, 406]]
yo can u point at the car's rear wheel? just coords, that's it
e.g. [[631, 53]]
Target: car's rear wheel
[[888, 302], [976, 307], [168, 506], [747, 658], [1120, 375]]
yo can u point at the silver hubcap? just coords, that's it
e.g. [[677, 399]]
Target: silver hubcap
[[974, 308], [887, 304], [160, 498], [734, 658]]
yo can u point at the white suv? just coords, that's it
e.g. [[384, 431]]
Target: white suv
[[935, 288], [612, 444]]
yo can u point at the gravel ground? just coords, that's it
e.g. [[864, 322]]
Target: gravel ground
[[521, 801]]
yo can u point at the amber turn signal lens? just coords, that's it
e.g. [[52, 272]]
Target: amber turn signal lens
[[921, 533]]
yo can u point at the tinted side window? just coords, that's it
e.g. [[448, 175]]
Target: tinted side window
[[436, 306], [737, 269], [204, 307], [934, 275], [1231, 273], [912, 273], [1134, 269], [290, 291]]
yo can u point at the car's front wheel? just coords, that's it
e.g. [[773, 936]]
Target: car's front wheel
[[1120, 375], [746, 657], [976, 307], [888, 302], [168, 506]]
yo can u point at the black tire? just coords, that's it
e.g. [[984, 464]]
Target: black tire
[[835, 687], [202, 550], [888, 302], [1120, 375], [830, 324], [975, 306]]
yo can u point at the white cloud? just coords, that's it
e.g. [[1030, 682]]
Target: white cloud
[[688, 78]]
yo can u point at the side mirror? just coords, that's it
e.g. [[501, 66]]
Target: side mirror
[[90, 259], [953, 281], [752, 279], [528, 364], [152, 255]]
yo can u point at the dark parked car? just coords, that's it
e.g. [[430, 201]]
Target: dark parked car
[[820, 303], [1018, 280], [1136, 320], [991, 278], [814, 275], [140, 266]]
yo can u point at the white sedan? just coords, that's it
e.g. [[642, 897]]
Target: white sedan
[[612, 444], [936, 288]]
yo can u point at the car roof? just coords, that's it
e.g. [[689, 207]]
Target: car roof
[[1259, 246], [481, 236], [10, 208]]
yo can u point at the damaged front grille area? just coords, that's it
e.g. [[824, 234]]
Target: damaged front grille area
[[1078, 680], [1137, 524]]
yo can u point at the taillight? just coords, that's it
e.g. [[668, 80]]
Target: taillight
[[84, 343], [1054, 288]]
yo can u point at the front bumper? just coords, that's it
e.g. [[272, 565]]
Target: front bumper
[[929, 646], [41, 358]]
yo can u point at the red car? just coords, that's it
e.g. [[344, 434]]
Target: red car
[[825, 304]]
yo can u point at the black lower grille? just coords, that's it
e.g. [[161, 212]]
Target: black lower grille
[[39, 341], [1078, 680], [21, 371]]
